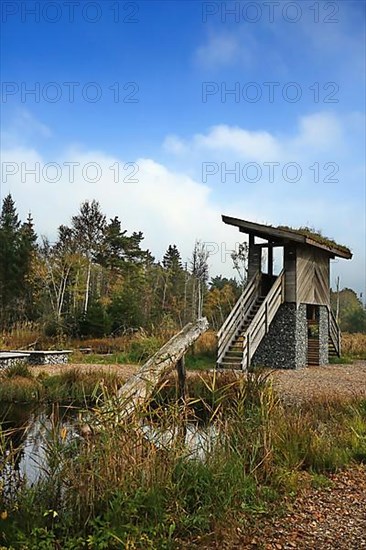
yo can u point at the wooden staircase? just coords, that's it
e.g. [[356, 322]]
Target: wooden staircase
[[313, 343], [234, 356], [334, 340], [313, 351], [248, 322]]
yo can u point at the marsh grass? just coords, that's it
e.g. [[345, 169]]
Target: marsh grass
[[354, 345], [18, 389], [18, 384], [117, 489], [79, 387]]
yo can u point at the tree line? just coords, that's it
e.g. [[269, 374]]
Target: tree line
[[96, 279]]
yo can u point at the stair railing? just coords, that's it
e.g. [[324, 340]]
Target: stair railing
[[334, 331], [259, 326], [234, 322]]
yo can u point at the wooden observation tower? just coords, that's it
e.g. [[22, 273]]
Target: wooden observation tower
[[283, 320]]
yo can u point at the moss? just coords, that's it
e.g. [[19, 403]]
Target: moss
[[316, 236]]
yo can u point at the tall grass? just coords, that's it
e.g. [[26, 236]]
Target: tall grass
[[18, 384], [119, 489], [354, 345]]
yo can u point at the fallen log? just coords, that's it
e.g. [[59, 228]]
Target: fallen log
[[141, 385]]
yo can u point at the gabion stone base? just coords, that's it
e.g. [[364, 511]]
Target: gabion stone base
[[49, 357], [323, 335], [11, 359], [285, 345]]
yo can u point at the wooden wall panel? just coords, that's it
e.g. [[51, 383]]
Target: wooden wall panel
[[312, 276], [321, 279]]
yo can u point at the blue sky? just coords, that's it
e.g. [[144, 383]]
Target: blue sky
[[171, 63]]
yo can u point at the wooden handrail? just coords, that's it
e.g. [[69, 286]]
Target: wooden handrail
[[262, 320], [234, 322], [334, 331]]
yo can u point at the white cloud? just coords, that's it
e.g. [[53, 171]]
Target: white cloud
[[170, 206], [222, 49], [320, 132], [25, 127], [173, 144]]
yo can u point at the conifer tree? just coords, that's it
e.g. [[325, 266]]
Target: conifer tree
[[17, 244]]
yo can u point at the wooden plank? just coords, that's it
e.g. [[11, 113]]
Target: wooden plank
[[263, 231], [270, 261], [181, 369], [257, 329], [140, 386], [312, 276], [254, 258]]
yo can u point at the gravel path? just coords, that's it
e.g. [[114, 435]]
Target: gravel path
[[331, 518], [332, 380]]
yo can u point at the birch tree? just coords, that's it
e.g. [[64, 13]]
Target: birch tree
[[88, 229]]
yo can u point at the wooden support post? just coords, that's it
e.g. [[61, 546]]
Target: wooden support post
[[270, 260], [254, 258], [181, 369]]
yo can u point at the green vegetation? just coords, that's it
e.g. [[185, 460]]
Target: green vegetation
[[118, 490], [72, 386], [96, 280], [317, 236], [352, 314]]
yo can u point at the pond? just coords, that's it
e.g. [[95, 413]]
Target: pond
[[36, 430], [31, 429]]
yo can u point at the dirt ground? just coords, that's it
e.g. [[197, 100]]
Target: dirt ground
[[327, 518]]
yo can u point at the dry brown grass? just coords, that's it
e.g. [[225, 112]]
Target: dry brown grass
[[105, 345], [354, 345], [21, 336], [206, 343]]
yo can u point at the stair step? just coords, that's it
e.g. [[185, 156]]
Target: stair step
[[233, 356]]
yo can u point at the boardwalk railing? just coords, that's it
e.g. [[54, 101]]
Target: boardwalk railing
[[334, 332], [234, 322], [262, 320]]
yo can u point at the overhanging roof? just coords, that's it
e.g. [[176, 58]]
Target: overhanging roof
[[285, 235]]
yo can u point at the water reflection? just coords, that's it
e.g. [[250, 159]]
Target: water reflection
[[36, 433], [30, 431]]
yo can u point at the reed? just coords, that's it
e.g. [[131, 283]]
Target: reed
[[118, 488]]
